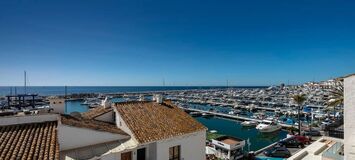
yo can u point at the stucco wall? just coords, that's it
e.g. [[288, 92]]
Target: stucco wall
[[152, 150], [73, 137], [349, 121], [122, 124], [192, 146], [11, 120], [117, 156], [58, 105]]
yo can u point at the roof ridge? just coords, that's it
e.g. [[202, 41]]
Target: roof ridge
[[93, 124]]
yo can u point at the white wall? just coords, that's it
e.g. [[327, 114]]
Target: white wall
[[152, 150], [117, 155], [122, 124], [70, 137], [192, 146], [11, 120], [349, 117], [58, 105]]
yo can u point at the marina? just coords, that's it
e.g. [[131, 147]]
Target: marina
[[234, 128], [248, 121]]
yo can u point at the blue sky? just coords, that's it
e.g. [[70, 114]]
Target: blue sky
[[205, 42]]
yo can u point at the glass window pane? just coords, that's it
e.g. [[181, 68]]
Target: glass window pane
[[177, 152], [171, 152]]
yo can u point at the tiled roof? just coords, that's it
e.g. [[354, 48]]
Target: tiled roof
[[29, 141], [150, 121], [95, 112], [91, 124]]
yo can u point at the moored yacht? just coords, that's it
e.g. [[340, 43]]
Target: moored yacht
[[268, 126], [249, 123]]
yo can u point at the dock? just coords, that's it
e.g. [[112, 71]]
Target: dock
[[230, 116], [260, 151], [224, 104]]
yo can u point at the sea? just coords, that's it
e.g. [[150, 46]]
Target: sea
[[60, 90]]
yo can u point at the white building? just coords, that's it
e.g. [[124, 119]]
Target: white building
[[227, 147], [124, 131], [349, 117], [58, 105]]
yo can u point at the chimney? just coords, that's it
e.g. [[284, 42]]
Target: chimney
[[106, 103], [158, 98]]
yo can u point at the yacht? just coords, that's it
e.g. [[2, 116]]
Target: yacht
[[267, 126], [207, 115], [249, 123]]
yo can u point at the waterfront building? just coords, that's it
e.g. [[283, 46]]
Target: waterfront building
[[124, 131], [228, 147]]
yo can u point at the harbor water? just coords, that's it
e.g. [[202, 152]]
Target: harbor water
[[233, 128], [75, 106]]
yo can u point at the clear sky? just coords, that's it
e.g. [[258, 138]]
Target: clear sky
[[207, 42]]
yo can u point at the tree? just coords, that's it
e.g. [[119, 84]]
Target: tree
[[336, 97], [299, 99]]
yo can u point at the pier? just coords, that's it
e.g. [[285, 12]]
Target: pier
[[224, 104], [260, 151], [230, 116]]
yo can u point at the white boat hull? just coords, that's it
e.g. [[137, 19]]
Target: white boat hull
[[267, 128], [270, 129], [249, 124]]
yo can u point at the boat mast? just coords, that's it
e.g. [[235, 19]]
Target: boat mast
[[66, 91], [25, 85]]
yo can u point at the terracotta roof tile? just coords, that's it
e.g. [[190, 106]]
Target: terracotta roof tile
[[29, 141], [150, 121], [91, 124]]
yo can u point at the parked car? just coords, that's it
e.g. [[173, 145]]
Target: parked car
[[312, 133], [279, 152], [291, 143], [303, 139]]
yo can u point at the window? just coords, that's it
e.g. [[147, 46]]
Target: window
[[141, 154], [174, 153]]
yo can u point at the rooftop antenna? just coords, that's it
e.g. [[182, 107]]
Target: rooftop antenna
[[163, 81], [25, 89]]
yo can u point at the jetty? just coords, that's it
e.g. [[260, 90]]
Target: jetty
[[236, 117]]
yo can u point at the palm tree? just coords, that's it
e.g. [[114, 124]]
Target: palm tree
[[299, 99], [336, 95]]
